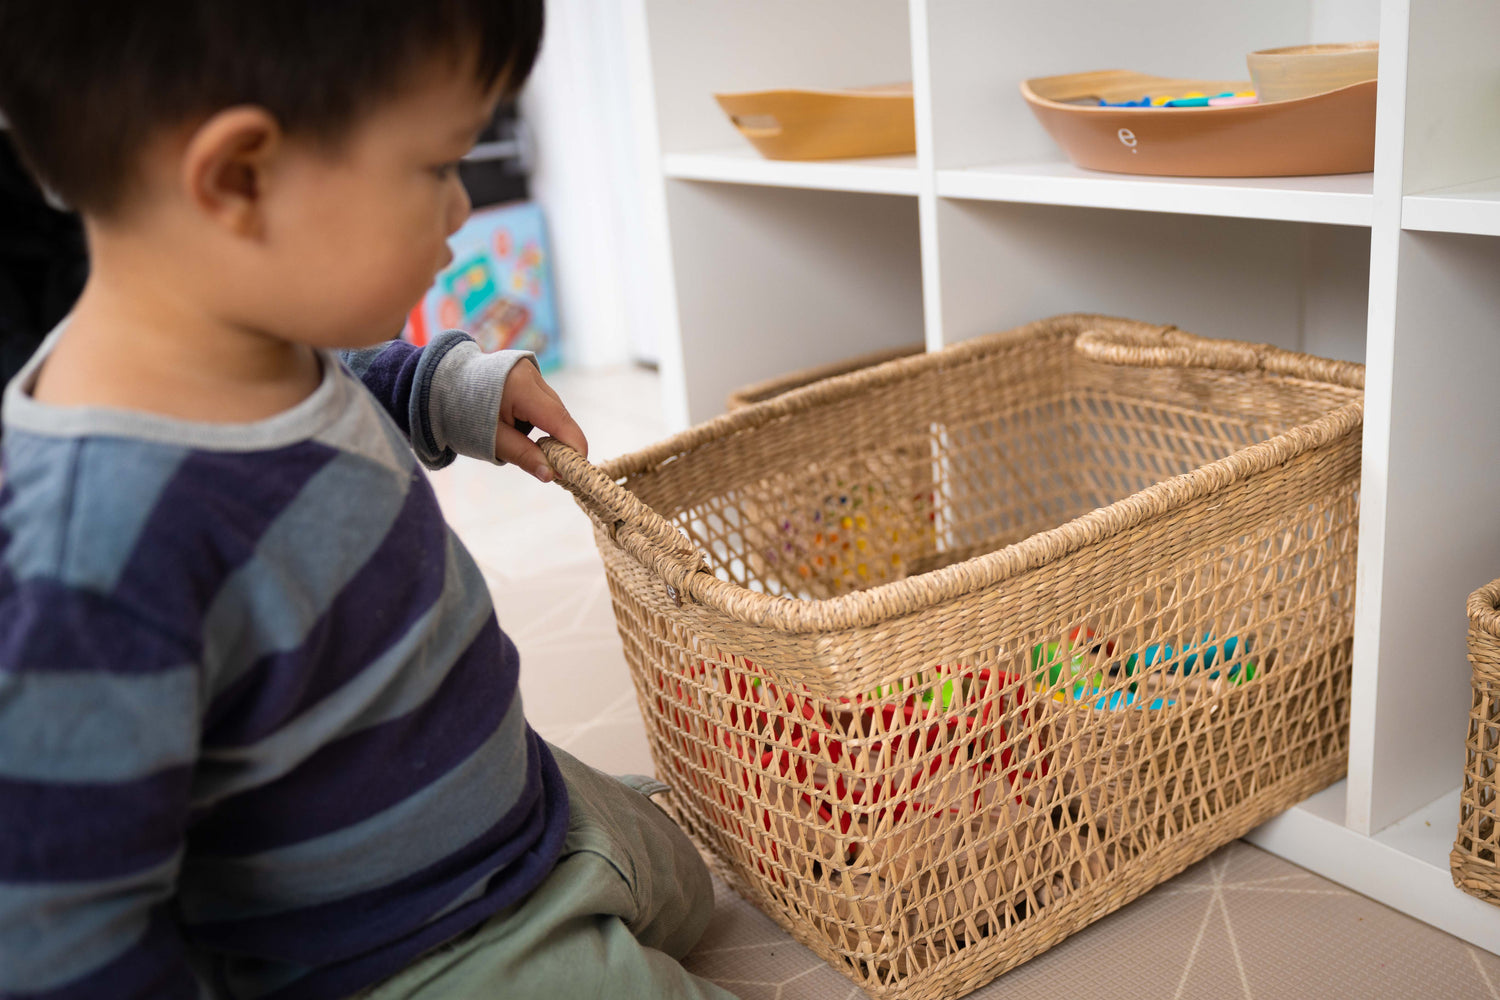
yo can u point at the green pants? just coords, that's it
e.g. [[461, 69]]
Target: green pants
[[628, 898]]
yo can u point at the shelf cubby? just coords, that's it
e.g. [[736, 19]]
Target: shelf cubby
[[1296, 285], [771, 279]]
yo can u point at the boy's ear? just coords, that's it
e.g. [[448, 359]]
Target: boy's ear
[[226, 166]]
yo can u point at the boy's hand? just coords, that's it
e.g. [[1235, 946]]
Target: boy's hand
[[529, 398]]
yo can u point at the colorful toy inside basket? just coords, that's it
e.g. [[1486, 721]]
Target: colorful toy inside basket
[[862, 773]]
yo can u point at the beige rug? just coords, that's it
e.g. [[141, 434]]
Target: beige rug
[[1241, 924]]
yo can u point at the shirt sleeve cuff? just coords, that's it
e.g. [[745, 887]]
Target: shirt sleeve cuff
[[464, 406]]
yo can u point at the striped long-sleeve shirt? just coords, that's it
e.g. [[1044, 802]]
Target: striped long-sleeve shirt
[[259, 728]]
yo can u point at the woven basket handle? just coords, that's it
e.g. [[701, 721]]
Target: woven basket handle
[[1484, 608], [1169, 347], [638, 529]]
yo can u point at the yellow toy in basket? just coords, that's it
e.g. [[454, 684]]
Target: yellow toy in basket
[[852, 539]]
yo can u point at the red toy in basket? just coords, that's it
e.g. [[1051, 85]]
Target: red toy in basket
[[901, 741]]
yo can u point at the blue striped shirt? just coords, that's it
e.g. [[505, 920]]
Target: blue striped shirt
[[260, 734]]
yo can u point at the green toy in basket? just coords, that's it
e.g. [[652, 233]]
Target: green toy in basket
[[1079, 661], [927, 693]]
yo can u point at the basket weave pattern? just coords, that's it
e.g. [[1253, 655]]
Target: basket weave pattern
[[947, 658], [1475, 852]]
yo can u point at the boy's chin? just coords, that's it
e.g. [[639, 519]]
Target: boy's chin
[[370, 338], [350, 338]]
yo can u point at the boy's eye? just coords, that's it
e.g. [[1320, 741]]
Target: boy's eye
[[446, 170]]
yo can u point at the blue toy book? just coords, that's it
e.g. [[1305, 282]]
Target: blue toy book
[[498, 288]]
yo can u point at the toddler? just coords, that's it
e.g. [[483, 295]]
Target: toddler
[[260, 734]]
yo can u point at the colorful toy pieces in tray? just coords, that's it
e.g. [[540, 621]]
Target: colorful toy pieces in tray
[[1310, 110], [1192, 99]]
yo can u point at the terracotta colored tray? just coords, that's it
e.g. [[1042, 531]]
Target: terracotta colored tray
[[825, 124], [1329, 133]]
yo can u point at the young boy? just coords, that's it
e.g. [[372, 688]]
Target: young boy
[[259, 727]]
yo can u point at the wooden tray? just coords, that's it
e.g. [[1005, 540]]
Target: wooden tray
[[825, 124], [1329, 133]]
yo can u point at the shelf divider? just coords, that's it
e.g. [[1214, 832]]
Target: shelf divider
[[927, 207], [1375, 458]]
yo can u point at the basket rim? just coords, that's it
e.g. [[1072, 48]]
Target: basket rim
[[1148, 344], [759, 392]]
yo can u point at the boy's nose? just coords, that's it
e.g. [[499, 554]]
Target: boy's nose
[[458, 210]]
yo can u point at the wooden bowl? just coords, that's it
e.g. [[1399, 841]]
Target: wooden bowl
[[1329, 133], [1304, 70], [825, 124]]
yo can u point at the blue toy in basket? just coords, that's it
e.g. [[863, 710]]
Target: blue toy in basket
[[1238, 673], [1117, 700], [498, 288]]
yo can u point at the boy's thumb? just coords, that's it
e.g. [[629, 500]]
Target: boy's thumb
[[516, 448]]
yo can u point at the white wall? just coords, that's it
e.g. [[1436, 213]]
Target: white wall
[[594, 176]]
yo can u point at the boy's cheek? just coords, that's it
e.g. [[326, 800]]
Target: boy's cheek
[[352, 267], [333, 304]]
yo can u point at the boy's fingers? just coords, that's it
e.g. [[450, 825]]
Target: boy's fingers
[[516, 448], [529, 402], [569, 433], [553, 417]]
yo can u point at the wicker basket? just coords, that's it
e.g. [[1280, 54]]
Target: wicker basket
[[947, 658], [1475, 852]]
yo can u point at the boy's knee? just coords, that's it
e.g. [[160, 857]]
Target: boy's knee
[[683, 889], [699, 889]]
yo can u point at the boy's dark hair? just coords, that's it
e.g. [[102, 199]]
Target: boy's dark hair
[[85, 83]]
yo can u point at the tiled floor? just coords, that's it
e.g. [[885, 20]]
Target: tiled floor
[[1241, 924]]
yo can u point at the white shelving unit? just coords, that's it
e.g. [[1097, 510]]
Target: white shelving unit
[[766, 267]]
